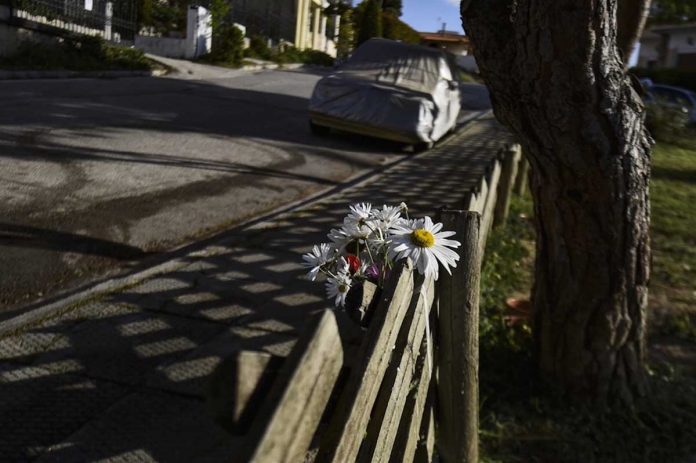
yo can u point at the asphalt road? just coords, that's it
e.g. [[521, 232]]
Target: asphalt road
[[98, 174]]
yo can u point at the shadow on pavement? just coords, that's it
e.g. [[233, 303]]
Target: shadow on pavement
[[104, 113], [32, 237], [125, 377]]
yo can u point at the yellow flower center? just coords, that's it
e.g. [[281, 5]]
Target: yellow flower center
[[422, 238], [343, 288]]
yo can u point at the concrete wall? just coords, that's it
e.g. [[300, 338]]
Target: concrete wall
[[662, 48], [11, 36], [161, 46], [198, 40], [681, 43], [649, 51]]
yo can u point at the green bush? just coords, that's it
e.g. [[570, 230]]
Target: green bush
[[293, 55], [228, 46], [346, 35], [369, 20], [667, 124], [676, 77], [76, 53], [396, 29], [258, 48]]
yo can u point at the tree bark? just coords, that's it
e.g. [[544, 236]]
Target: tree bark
[[557, 82], [631, 17]]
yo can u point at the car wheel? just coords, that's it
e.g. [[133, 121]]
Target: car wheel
[[317, 129]]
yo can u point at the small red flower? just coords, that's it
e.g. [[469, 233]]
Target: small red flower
[[353, 263]]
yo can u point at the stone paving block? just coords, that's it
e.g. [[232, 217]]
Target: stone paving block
[[39, 408], [162, 285], [26, 346], [148, 427], [127, 347], [191, 374]]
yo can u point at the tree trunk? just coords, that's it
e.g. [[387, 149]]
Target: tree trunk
[[631, 17], [557, 82]]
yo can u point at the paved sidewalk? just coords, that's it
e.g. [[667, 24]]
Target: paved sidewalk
[[124, 377]]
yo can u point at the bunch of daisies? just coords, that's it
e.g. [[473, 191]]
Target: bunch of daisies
[[369, 243]]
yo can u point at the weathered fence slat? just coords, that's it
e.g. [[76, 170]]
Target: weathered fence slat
[[522, 173], [285, 425], [384, 423], [458, 343], [408, 434], [489, 204], [508, 176], [425, 452], [347, 428], [476, 200]]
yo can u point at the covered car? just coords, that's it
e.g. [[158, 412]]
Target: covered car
[[676, 98], [392, 90]]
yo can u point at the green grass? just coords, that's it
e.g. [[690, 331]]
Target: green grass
[[673, 289], [521, 421]]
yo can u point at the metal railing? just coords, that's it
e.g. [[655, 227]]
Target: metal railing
[[114, 20]]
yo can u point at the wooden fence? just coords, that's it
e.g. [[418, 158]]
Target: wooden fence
[[401, 391]]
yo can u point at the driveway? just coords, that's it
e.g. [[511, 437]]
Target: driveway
[[99, 174]]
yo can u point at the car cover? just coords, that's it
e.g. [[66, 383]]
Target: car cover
[[398, 87]]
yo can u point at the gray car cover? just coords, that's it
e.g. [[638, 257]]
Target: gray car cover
[[398, 87]]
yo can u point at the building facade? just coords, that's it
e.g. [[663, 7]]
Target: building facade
[[301, 23], [455, 43], [669, 47]]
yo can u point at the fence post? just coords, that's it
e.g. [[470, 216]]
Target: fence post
[[108, 16], [507, 181], [458, 352], [521, 180]]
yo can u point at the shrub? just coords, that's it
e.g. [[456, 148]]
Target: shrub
[[228, 45], [370, 21], [667, 124], [346, 35], [396, 29], [76, 53], [293, 55], [258, 48]]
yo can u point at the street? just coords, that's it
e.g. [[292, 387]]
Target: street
[[98, 173]]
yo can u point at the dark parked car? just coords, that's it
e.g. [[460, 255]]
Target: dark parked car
[[392, 90], [676, 98]]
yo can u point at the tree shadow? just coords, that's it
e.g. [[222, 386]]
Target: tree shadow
[[32, 237], [132, 129], [679, 175]]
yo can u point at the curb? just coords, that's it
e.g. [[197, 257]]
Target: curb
[[174, 259], [25, 75]]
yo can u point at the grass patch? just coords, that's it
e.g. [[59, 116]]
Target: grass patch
[[521, 421], [76, 53], [673, 191]]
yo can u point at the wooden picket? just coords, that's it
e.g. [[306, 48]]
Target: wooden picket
[[382, 407]]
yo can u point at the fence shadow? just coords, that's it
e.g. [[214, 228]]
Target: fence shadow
[[126, 376]]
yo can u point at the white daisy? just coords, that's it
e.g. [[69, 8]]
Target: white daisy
[[337, 287], [350, 233], [386, 217], [425, 244], [359, 213], [318, 258]]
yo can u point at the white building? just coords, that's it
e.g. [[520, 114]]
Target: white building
[[669, 46]]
